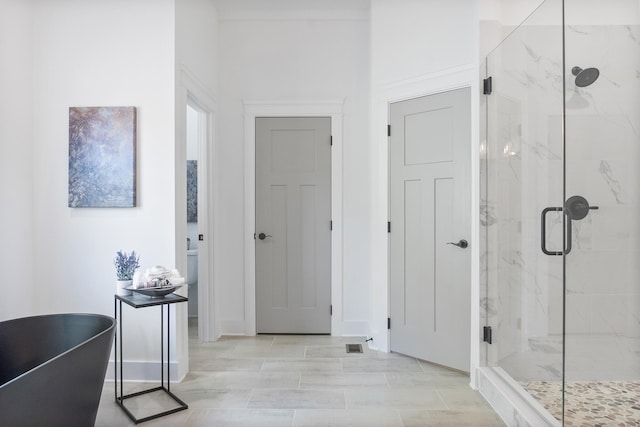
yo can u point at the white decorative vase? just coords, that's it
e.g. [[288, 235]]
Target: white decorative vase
[[121, 285]]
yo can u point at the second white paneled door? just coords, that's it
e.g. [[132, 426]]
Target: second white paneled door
[[430, 203], [293, 219]]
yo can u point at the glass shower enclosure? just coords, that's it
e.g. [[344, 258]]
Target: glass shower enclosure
[[560, 190]]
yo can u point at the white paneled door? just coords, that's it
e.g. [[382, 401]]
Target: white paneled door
[[430, 199], [293, 225]]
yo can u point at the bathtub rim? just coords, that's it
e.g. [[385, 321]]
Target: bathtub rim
[[107, 330]]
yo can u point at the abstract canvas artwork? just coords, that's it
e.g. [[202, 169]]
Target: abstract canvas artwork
[[102, 157], [192, 191]]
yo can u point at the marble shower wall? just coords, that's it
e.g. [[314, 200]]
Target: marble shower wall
[[603, 163], [522, 173]]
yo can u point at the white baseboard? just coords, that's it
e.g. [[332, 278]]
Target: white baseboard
[[139, 371]]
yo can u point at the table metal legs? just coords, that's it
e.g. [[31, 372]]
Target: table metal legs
[[119, 360]]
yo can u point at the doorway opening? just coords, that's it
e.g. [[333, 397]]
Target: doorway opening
[[193, 143], [199, 218]]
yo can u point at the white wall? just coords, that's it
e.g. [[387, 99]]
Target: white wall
[[96, 53], [196, 40], [16, 152], [287, 52], [413, 38]]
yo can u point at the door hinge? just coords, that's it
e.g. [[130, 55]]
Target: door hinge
[[331, 225], [486, 334], [201, 237], [388, 322], [388, 130], [487, 85], [331, 310], [388, 226], [331, 140]]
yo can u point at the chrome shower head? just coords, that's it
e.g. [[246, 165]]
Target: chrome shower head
[[585, 77]]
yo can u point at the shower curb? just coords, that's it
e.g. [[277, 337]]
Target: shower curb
[[511, 402]]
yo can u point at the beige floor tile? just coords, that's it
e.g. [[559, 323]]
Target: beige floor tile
[[111, 415], [240, 380], [427, 380], [215, 398], [348, 417], [295, 380], [228, 364], [394, 398], [370, 364], [463, 398], [274, 351], [226, 346], [341, 381], [297, 399], [241, 418], [425, 418], [302, 365]]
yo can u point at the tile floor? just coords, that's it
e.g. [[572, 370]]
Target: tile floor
[[307, 381]]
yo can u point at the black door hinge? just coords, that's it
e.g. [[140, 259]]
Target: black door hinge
[[486, 334], [388, 322], [331, 225], [487, 86], [201, 237], [331, 310], [388, 226], [388, 130], [331, 140]]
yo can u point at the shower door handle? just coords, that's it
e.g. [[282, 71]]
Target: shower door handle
[[575, 208], [543, 240]]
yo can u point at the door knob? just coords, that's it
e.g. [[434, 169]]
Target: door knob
[[461, 243], [263, 236], [577, 207]]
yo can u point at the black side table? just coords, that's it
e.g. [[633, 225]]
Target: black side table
[[142, 301]]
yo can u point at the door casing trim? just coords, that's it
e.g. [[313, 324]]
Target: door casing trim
[[332, 108]]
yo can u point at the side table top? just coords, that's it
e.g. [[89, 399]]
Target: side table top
[[138, 301]]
